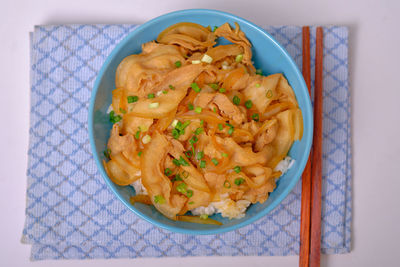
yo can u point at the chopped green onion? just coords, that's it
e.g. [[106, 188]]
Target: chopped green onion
[[176, 162], [123, 111], [259, 71], [224, 155], [143, 128], [165, 92], [215, 110], [181, 188], [154, 105], [177, 178], [183, 162], [171, 87], [201, 122], [175, 133], [132, 99], [185, 174], [146, 139], [188, 154], [215, 28], [193, 140], [192, 146], [114, 118], [139, 153], [107, 153], [150, 96], [255, 117], [178, 125], [179, 129], [220, 126], [207, 59], [185, 124], [191, 203], [269, 94], [204, 216], [222, 90], [237, 169], [214, 86], [174, 123], [239, 181], [199, 155], [159, 199], [258, 85], [231, 128], [137, 135], [167, 171], [195, 87], [239, 58], [178, 64], [202, 164], [248, 104], [189, 193], [215, 161], [190, 106], [227, 184], [198, 131], [236, 100]]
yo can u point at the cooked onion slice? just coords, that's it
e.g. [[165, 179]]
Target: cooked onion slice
[[197, 219], [144, 199]]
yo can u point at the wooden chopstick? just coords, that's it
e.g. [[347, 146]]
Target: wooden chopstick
[[316, 168], [304, 254]]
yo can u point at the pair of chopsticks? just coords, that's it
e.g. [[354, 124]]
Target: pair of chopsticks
[[310, 225]]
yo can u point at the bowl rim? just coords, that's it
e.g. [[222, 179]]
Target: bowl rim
[[307, 111]]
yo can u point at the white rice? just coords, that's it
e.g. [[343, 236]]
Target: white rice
[[236, 210], [232, 209], [284, 165], [227, 207], [209, 210], [139, 187], [110, 108]]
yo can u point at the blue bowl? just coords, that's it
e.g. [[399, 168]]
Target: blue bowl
[[268, 55]]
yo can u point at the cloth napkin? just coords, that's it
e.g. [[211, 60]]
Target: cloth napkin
[[70, 212]]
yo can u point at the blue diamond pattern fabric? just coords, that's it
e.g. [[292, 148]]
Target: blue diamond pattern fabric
[[70, 212]]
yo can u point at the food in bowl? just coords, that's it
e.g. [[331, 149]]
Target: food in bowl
[[197, 127]]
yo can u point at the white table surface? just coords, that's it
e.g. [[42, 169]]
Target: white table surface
[[374, 84]]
